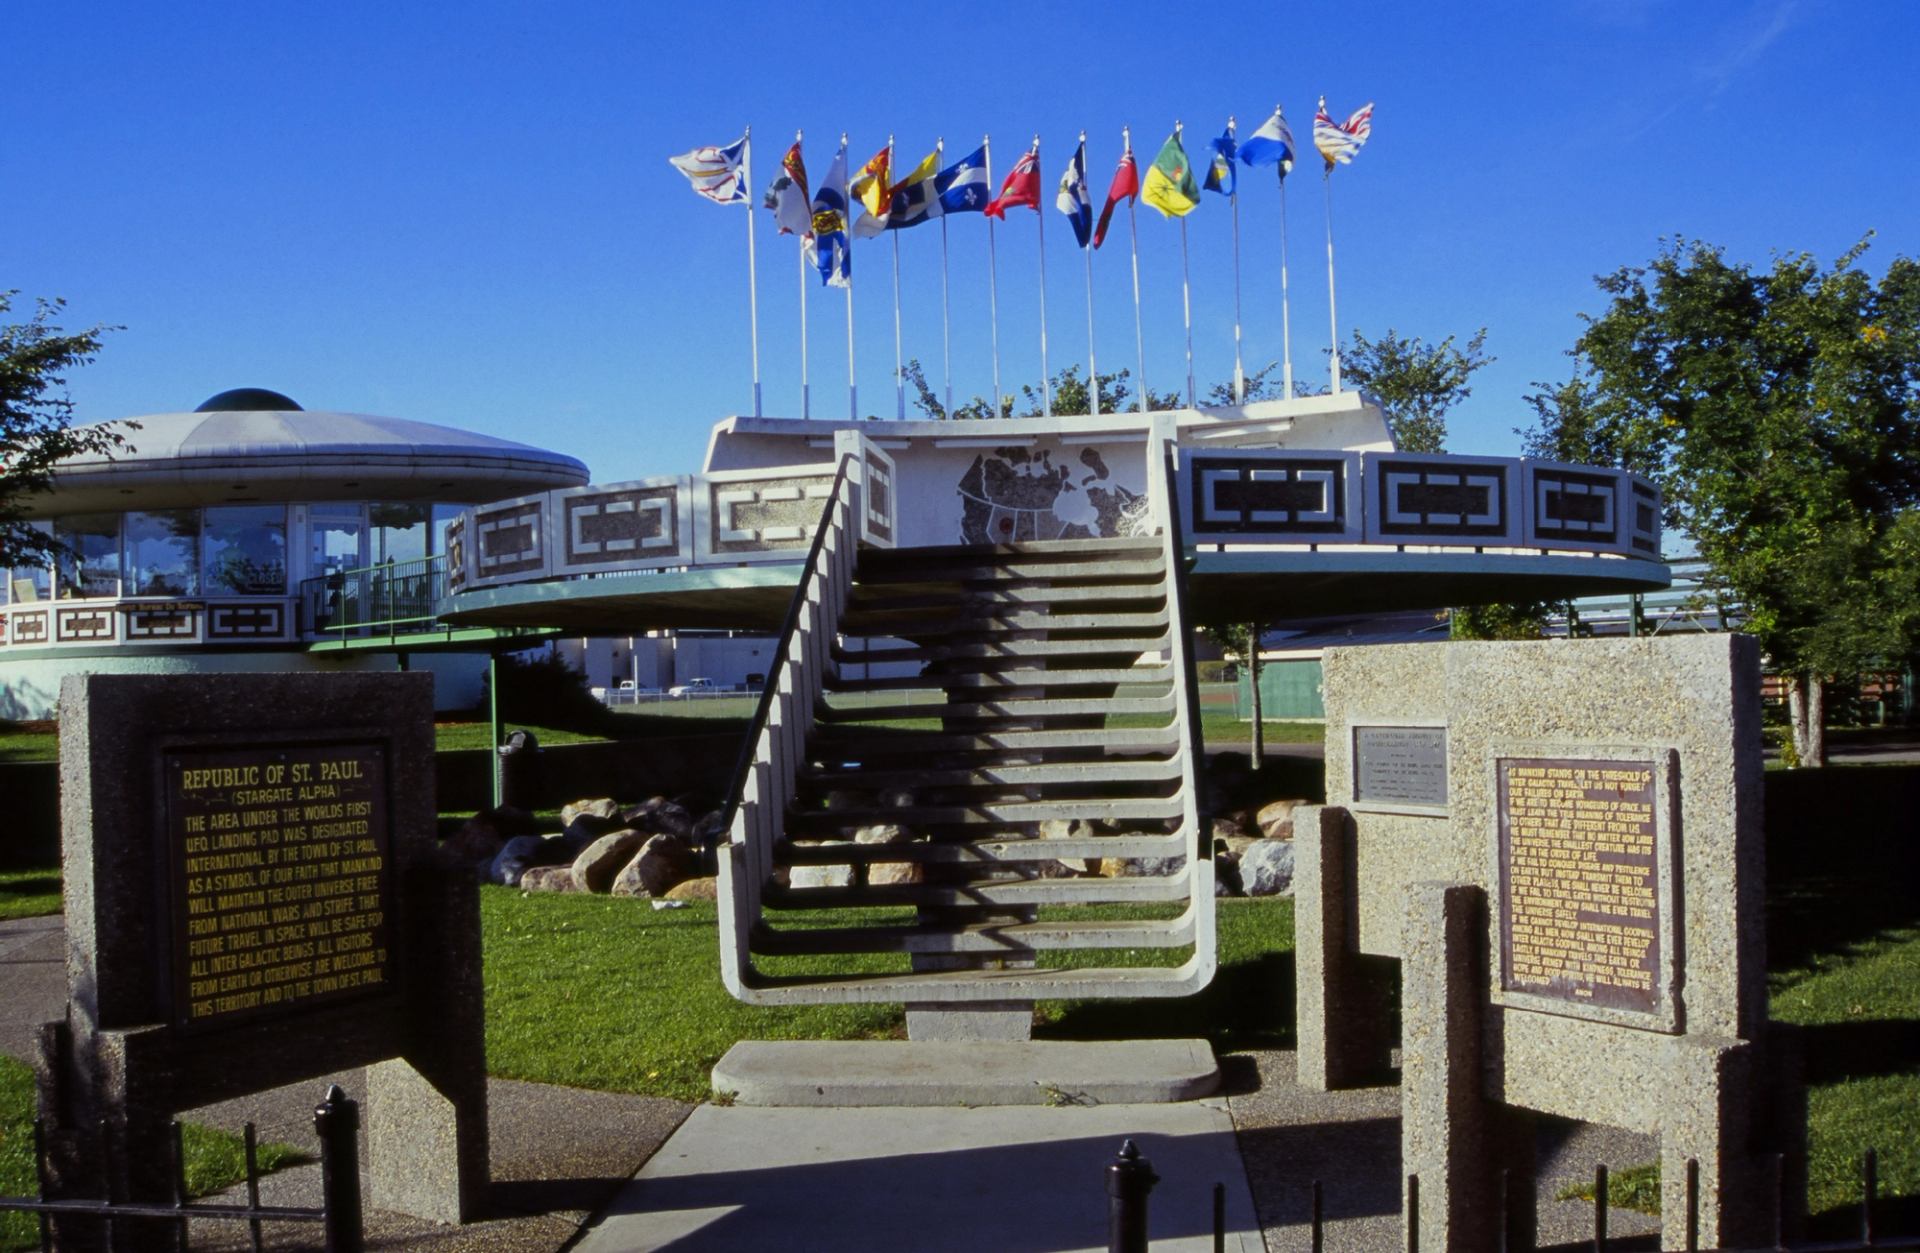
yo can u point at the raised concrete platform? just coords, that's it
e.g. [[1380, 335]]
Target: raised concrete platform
[[832, 1073], [925, 1180]]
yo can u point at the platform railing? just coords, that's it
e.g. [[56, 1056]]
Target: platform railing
[[390, 599]]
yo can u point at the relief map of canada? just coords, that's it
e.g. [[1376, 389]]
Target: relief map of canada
[[1013, 494]]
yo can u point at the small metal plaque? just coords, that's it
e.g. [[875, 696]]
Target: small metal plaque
[[1400, 767], [281, 878], [1579, 881]]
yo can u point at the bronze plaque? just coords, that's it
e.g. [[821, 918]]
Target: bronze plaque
[[1579, 891], [281, 878], [1400, 766]]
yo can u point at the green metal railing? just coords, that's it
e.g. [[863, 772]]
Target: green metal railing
[[391, 599]]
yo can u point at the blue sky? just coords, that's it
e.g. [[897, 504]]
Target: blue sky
[[464, 214]]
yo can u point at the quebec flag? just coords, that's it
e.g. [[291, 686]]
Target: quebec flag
[[962, 186]]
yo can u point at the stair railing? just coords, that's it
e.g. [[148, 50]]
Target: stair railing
[[1163, 471], [775, 747]]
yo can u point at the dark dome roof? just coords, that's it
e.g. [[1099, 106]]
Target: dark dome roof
[[242, 399]]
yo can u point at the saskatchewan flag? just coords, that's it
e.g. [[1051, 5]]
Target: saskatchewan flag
[[1170, 187]]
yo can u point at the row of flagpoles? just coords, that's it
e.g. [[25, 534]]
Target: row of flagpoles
[[822, 220]]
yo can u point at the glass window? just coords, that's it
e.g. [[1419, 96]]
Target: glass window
[[399, 531], [338, 534], [246, 550], [443, 516], [163, 553], [28, 583], [91, 567]]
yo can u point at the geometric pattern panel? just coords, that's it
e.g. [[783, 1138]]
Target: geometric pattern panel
[[30, 627], [620, 526], [1573, 507], [1411, 498], [252, 620], [877, 528], [509, 540], [774, 515], [1643, 526], [1280, 495], [456, 553], [83, 626], [180, 621]]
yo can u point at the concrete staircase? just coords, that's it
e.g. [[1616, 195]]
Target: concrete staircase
[[1017, 799]]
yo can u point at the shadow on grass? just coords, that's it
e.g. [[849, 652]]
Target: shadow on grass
[[1826, 895], [1248, 1005]]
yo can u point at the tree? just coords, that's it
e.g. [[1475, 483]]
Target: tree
[[1415, 383], [1241, 640], [1069, 396], [36, 415], [1778, 409]]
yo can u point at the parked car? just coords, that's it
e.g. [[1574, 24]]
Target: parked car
[[692, 687]]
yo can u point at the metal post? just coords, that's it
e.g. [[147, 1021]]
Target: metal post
[[1693, 1205], [1600, 1208], [1314, 1221], [337, 1122], [1413, 1214], [1869, 1184], [1219, 1218], [493, 722], [1129, 1179]]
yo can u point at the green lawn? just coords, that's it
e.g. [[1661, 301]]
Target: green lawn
[[29, 893], [215, 1159], [18, 743]]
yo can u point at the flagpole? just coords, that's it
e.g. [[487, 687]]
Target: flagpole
[[1286, 322], [1133, 240], [753, 280], [946, 316], [846, 197], [800, 255], [899, 371], [993, 280], [1239, 373], [1333, 318], [1040, 217], [1086, 253], [1186, 294]]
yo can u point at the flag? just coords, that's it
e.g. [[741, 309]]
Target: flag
[[1272, 144], [962, 186], [1338, 141], [872, 190], [1073, 200], [715, 172], [1220, 168], [1170, 187], [829, 242], [915, 197], [1126, 182], [787, 197], [1021, 188]]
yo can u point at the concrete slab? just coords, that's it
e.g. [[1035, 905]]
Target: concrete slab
[[1012, 1180], [861, 1073]]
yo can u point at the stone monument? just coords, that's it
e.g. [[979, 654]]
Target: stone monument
[[252, 900], [1561, 843]]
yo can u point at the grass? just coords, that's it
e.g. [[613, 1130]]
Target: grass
[[214, 1159], [33, 741], [29, 893], [608, 993]]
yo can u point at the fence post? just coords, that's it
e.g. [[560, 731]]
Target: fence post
[[1129, 1179], [337, 1121]]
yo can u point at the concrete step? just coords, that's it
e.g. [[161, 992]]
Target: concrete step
[[868, 600], [984, 1072], [1070, 551], [995, 814], [1011, 676], [1141, 889], [1006, 709], [1009, 939], [963, 986], [852, 743], [1114, 569], [981, 852], [988, 650], [921, 626], [861, 775]]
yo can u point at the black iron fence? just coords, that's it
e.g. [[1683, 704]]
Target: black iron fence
[[110, 1222], [1131, 1178]]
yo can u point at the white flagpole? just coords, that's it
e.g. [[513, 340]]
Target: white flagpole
[[946, 316], [899, 369], [1040, 217], [1286, 321], [806, 397], [1239, 373], [753, 279], [846, 213], [1186, 294], [1133, 239], [1086, 253], [993, 280], [1333, 318]]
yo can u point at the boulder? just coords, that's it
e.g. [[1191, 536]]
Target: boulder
[[695, 890], [1228, 826], [594, 869], [1119, 867], [477, 842], [1275, 819], [897, 798], [636, 815], [662, 861], [711, 828], [1069, 829], [1158, 866], [670, 819], [829, 876], [515, 858], [887, 874], [548, 879], [1266, 868], [602, 807], [586, 828], [1226, 875]]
